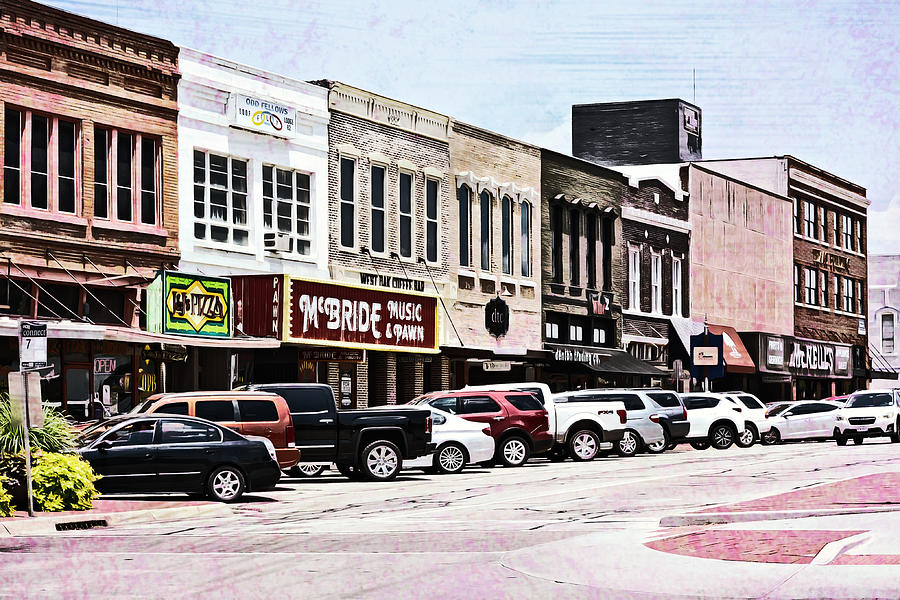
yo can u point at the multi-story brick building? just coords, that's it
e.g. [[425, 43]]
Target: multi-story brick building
[[88, 119], [494, 258]]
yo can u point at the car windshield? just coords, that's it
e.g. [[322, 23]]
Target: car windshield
[[870, 401], [89, 434], [778, 409]]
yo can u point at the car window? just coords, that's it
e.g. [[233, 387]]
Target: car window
[[822, 407], [536, 392], [525, 402], [801, 409], [751, 402], [311, 399], [778, 409], [631, 401], [695, 402], [182, 432], [173, 408], [257, 411], [871, 400], [214, 410], [473, 405], [133, 434], [666, 399], [445, 404]]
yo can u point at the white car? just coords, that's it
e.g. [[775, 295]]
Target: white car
[[804, 420], [458, 442], [868, 414], [715, 420], [755, 421]]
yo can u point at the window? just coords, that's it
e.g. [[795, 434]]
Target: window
[[859, 298], [406, 214], [526, 239], [101, 173], [859, 241], [812, 286], [634, 278], [220, 199], [835, 231], [887, 333], [599, 336], [445, 404], [797, 221], [751, 402], [837, 293], [655, 283], [305, 399], [810, 219], [286, 206], [551, 330], [590, 234], [823, 224], [185, 432], [215, 410], [698, 402], [574, 247], [631, 401], [133, 434], [525, 402], [676, 287], [432, 187], [126, 176], [257, 411], [798, 285], [666, 399], [847, 231], [506, 210], [174, 408], [377, 194], [464, 198], [556, 213], [485, 201], [823, 281], [576, 333], [47, 166], [478, 404], [849, 300], [348, 202]]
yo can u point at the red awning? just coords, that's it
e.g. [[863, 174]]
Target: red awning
[[737, 360]]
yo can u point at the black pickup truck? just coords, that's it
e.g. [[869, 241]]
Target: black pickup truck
[[367, 443]]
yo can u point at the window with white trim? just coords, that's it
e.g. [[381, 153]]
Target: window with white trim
[[798, 285], [126, 176], [485, 202], [676, 287], [811, 288], [405, 206], [378, 181], [347, 202], [506, 214], [464, 199], [823, 281], [432, 194], [526, 238], [849, 300], [286, 206], [887, 333], [847, 231], [656, 283], [859, 241], [859, 298], [634, 278], [220, 199], [809, 215], [576, 333], [551, 330], [837, 293], [797, 220]]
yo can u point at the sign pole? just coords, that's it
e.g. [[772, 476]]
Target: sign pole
[[27, 423], [705, 342]]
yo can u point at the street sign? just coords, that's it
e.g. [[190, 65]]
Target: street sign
[[32, 345], [496, 365], [20, 402]]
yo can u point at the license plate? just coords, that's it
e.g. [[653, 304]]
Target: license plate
[[860, 429]]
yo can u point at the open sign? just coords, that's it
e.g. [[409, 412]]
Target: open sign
[[104, 365]]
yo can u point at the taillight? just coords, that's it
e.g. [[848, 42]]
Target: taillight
[[623, 416], [654, 418], [486, 431], [291, 438], [683, 412], [428, 423]]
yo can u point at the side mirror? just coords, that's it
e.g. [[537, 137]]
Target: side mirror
[[103, 445], [788, 414]]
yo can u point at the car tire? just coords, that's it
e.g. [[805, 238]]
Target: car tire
[[699, 445], [584, 445], [858, 441], [770, 438], [450, 458], [225, 484], [380, 461], [747, 438], [307, 470], [895, 437], [513, 452], [629, 445], [840, 440], [722, 436], [660, 446], [558, 453]]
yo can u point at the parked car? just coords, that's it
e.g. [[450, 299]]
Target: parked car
[[579, 428], [152, 453], [755, 424], [248, 413], [672, 417], [642, 416], [518, 421], [715, 420], [362, 442], [868, 414], [805, 420]]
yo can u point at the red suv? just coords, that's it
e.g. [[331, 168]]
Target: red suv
[[517, 420]]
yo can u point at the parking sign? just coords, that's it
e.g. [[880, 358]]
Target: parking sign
[[32, 345]]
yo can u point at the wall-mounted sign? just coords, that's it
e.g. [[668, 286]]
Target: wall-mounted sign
[[493, 366], [263, 116], [818, 359], [496, 317], [707, 356], [389, 281], [340, 315], [190, 305], [774, 351], [861, 327], [326, 355], [841, 358], [833, 262], [599, 303]]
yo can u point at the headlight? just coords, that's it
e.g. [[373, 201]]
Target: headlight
[[885, 416], [839, 418]]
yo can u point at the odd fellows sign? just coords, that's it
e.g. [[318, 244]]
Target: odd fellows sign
[[189, 305], [261, 115], [356, 317]]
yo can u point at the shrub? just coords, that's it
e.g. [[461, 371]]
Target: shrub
[[56, 435], [6, 505], [63, 482]]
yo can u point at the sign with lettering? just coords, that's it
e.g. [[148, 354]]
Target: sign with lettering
[[496, 317], [341, 315], [327, 355], [818, 359], [32, 345], [831, 261], [705, 356], [390, 281], [104, 365], [263, 116], [190, 305], [574, 354], [775, 352], [492, 366]]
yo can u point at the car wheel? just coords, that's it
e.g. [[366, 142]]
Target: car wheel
[[895, 437], [225, 484], [747, 438], [699, 445], [722, 436], [660, 446], [629, 444], [858, 441], [380, 461], [513, 452], [584, 445], [771, 437], [841, 440], [306, 470], [559, 453], [450, 458]]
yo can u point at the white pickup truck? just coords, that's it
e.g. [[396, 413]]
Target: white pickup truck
[[579, 428]]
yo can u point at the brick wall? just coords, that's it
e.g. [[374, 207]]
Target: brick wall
[[668, 243]]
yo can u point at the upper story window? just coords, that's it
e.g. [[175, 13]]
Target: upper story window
[[810, 219], [432, 189], [590, 235], [823, 289], [847, 231], [485, 202], [126, 176], [220, 199], [798, 223], [823, 225], [556, 237], [348, 202], [575, 246], [377, 194], [811, 286], [676, 287], [40, 168], [634, 278], [464, 199], [837, 293], [887, 333], [859, 237], [406, 214], [849, 300], [859, 298], [656, 283], [798, 285], [525, 252], [506, 210], [286, 206]]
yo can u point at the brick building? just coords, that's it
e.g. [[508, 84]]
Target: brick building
[[88, 119], [494, 258]]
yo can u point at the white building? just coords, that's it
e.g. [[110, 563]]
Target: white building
[[884, 313]]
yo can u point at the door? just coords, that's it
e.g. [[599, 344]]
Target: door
[[223, 412], [798, 422], [484, 409], [185, 453], [260, 417], [125, 457], [822, 419], [315, 423]]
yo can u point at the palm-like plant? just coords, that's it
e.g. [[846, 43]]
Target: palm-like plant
[[57, 434]]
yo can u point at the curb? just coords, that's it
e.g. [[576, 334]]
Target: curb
[[48, 525], [764, 515]]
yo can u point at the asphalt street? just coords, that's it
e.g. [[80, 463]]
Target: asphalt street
[[541, 531]]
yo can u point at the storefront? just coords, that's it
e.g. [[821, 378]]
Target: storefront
[[583, 367]]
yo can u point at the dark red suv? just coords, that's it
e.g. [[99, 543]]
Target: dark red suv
[[517, 420]]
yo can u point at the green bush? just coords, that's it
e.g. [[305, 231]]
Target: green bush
[[6, 505], [56, 435], [63, 482]]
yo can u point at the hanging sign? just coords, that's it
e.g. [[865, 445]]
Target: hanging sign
[[496, 317], [190, 305]]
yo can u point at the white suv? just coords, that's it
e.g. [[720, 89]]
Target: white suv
[[754, 418], [715, 420], [868, 414]]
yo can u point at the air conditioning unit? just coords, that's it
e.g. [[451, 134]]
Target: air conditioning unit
[[277, 242]]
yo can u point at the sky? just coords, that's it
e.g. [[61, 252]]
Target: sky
[[817, 80]]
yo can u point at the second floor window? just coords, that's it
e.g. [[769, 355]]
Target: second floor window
[[378, 209], [574, 247], [809, 216], [590, 238], [656, 283], [506, 210], [464, 199], [126, 176], [485, 202], [556, 238], [798, 223], [812, 286], [887, 333], [837, 293], [432, 187], [220, 199], [348, 202], [849, 299], [286, 206], [847, 231], [798, 285], [634, 279], [526, 239], [406, 214], [676, 287]]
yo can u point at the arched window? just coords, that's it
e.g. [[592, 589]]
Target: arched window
[[485, 200], [506, 209], [464, 197], [526, 239]]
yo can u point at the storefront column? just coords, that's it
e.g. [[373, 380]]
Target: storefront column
[[390, 377], [440, 373], [362, 385], [412, 382], [334, 379]]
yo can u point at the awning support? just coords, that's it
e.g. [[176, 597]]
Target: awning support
[[107, 278], [89, 292], [441, 298], [27, 276], [27, 293]]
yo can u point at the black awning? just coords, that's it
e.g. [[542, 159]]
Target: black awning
[[620, 361], [878, 374]]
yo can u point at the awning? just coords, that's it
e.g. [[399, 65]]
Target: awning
[[614, 361], [737, 359], [880, 374], [137, 336]]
